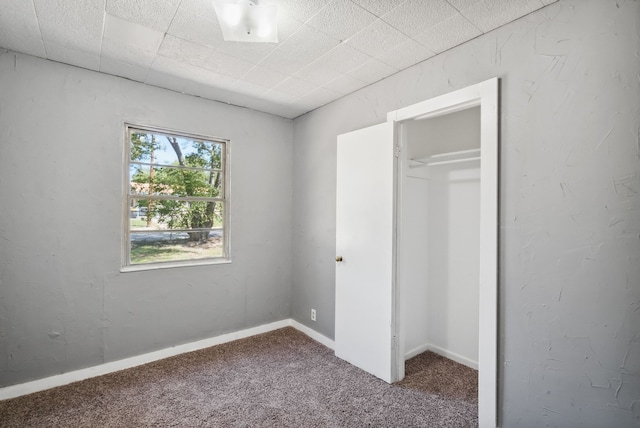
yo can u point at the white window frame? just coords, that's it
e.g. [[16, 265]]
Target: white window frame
[[126, 265]]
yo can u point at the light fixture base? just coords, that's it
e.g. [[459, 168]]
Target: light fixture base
[[247, 20]]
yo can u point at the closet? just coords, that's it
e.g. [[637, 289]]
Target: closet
[[417, 238], [438, 254]]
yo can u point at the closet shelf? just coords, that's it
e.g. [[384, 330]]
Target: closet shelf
[[445, 158]]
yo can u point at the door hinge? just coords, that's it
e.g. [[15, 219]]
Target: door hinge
[[397, 151]]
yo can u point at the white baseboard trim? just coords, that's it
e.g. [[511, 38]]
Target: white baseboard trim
[[416, 351], [126, 363], [313, 334], [453, 356], [441, 351]]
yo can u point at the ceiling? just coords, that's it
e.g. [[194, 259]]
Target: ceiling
[[326, 49]]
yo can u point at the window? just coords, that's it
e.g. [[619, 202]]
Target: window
[[177, 199]]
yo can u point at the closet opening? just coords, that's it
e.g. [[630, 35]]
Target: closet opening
[[439, 240], [446, 236], [417, 239]]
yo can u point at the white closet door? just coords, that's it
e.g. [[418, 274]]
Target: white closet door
[[365, 244]]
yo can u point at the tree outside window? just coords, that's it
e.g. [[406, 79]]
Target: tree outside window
[[177, 197]]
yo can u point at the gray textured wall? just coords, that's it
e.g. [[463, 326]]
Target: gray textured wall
[[64, 305], [570, 205]]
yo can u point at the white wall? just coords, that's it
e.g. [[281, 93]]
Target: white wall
[[64, 305], [438, 278], [413, 264], [569, 280], [454, 261]]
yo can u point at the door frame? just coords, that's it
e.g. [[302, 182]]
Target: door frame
[[486, 95]]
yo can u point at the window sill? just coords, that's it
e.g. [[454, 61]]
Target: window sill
[[170, 265]]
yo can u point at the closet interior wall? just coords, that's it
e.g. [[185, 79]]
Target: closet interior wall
[[438, 265]]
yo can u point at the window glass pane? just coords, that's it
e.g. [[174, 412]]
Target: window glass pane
[[157, 180], [172, 181], [162, 149], [150, 214], [175, 246]]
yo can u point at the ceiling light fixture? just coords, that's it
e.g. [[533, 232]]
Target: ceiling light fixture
[[247, 20]]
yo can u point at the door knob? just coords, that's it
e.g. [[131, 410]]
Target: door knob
[[338, 258]]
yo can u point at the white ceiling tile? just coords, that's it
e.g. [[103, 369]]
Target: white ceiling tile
[[301, 10], [284, 61], [342, 58], [463, 4], [195, 28], [378, 7], [414, 16], [237, 99], [73, 56], [447, 34], [250, 52], [207, 91], [178, 44], [123, 69], [58, 15], [20, 40], [177, 68], [75, 25], [307, 104], [70, 4], [121, 52], [490, 14], [287, 25], [19, 29], [156, 14], [184, 50], [320, 97], [96, 4], [548, 2], [341, 19], [212, 78], [264, 77], [317, 74], [205, 9], [299, 50], [169, 66], [377, 38], [296, 87], [407, 54], [372, 71], [345, 84], [279, 97], [248, 88], [222, 95], [132, 34], [164, 80], [332, 65], [220, 62]]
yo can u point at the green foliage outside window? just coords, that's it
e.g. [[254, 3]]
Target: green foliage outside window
[[178, 183]]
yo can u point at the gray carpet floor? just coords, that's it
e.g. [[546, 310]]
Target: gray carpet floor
[[277, 379]]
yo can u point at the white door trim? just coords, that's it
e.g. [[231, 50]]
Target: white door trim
[[486, 95]]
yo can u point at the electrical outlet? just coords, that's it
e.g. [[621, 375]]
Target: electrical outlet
[[313, 314]]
